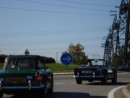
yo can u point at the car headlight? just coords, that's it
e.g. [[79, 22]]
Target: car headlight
[[110, 71]]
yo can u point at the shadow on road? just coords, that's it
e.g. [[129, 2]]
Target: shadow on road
[[72, 95], [61, 95]]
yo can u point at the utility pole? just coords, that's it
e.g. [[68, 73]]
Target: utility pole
[[127, 34], [109, 46], [118, 39]]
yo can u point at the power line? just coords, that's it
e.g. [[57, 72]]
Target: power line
[[48, 11], [84, 3], [45, 3]]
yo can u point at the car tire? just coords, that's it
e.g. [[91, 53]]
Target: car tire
[[114, 79], [50, 90], [1, 94], [78, 81], [104, 80]]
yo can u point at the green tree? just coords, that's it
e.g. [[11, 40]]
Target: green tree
[[77, 51]]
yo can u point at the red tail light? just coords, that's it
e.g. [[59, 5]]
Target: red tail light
[[38, 77]]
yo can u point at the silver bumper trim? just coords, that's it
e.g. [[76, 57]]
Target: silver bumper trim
[[23, 87], [88, 76]]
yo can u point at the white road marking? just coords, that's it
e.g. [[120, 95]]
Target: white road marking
[[111, 93]]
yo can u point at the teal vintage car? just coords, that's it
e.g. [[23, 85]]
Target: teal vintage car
[[25, 74]]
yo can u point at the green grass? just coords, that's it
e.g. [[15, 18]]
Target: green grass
[[57, 67]]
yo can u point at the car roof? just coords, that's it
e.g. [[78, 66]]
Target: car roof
[[24, 56]]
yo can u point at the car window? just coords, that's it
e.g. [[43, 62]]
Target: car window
[[11, 64], [21, 63], [39, 64]]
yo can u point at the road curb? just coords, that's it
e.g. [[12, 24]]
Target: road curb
[[115, 90], [126, 91]]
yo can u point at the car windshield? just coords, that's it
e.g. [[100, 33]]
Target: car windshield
[[21, 63]]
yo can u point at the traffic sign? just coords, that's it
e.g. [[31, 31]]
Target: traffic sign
[[66, 58]]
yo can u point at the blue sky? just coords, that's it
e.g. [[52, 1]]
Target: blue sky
[[48, 27]]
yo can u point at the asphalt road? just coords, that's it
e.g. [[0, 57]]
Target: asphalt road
[[65, 87]]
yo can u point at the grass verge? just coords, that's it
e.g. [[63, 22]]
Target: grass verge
[[56, 67]]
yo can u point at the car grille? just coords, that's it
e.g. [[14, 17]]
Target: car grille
[[87, 71]]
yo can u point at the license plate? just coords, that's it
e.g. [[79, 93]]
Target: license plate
[[15, 79], [87, 72]]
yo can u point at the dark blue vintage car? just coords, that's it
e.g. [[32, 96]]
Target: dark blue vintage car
[[95, 72], [25, 74]]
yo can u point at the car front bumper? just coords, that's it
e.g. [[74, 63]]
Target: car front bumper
[[89, 77]]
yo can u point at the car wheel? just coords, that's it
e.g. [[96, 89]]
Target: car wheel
[[50, 90], [114, 79], [78, 81], [104, 81], [1, 94]]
